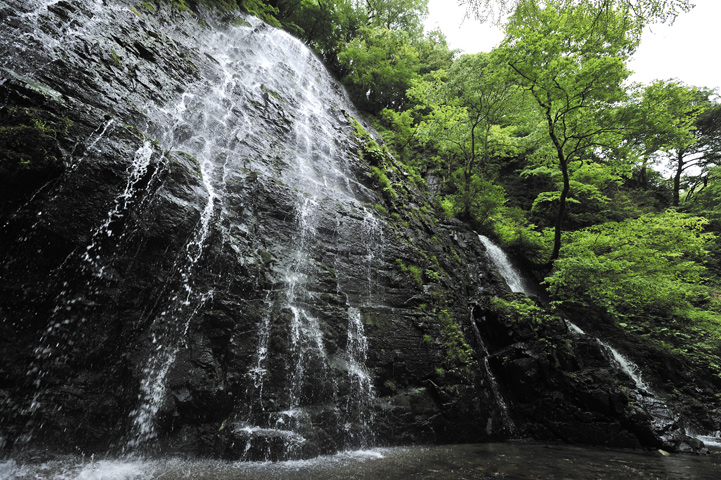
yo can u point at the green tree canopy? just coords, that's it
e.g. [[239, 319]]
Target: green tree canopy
[[574, 68], [380, 65], [649, 266], [642, 11]]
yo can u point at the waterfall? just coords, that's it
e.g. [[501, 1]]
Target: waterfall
[[358, 408], [73, 307], [501, 261], [627, 366], [255, 109], [508, 424], [263, 72], [515, 282], [201, 125], [664, 418]]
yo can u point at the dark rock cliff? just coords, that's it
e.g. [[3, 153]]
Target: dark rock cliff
[[203, 251]]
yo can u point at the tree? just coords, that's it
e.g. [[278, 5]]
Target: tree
[[694, 160], [397, 14], [707, 202], [324, 25], [689, 151], [379, 66], [596, 195], [652, 266], [467, 124], [574, 69], [642, 11], [680, 123], [479, 84], [660, 118]]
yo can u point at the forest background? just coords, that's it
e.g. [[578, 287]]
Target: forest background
[[609, 190]]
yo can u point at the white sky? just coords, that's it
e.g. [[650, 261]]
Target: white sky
[[689, 50]]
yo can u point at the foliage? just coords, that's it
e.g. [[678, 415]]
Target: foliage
[[379, 65], [642, 11], [522, 310], [676, 123], [573, 67], [458, 351], [707, 202], [649, 275], [384, 183], [415, 272], [651, 266], [475, 198], [595, 195]]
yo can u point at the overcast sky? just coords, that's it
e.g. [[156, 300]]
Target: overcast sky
[[689, 50]]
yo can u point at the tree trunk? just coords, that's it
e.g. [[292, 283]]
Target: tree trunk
[[558, 227], [563, 165], [677, 178]]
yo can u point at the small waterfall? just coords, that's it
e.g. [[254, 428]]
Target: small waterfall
[[258, 373], [136, 172], [575, 329], [372, 239], [358, 409], [508, 425], [664, 418], [358, 413], [501, 261], [627, 366], [515, 282], [185, 301], [204, 125]]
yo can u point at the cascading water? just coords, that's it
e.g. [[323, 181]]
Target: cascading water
[[75, 306], [499, 258], [665, 420], [259, 111], [516, 284], [254, 68], [508, 425], [358, 415], [358, 407], [202, 125], [627, 366]]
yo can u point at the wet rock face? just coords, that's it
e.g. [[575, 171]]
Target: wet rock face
[[195, 257], [192, 259], [570, 385]]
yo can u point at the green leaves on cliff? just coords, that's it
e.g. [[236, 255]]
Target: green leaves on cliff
[[649, 274], [652, 266]]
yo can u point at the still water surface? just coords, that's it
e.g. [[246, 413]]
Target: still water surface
[[456, 462]]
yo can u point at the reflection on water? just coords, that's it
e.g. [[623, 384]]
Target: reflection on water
[[498, 460]]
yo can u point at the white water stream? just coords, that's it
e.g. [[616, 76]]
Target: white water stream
[[501, 261], [505, 415], [257, 69], [616, 358], [264, 106], [515, 282]]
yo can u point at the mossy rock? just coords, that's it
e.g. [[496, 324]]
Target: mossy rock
[[30, 151]]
